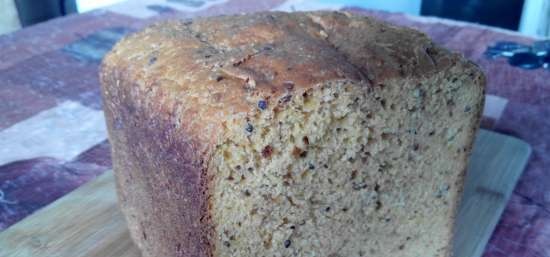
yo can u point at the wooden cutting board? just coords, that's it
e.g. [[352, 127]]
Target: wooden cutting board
[[87, 222]]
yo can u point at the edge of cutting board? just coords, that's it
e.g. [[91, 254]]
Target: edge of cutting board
[[487, 193], [83, 223]]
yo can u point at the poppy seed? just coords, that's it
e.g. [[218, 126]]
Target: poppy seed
[[262, 104]]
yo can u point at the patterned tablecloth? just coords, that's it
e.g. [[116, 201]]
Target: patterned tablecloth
[[53, 138]]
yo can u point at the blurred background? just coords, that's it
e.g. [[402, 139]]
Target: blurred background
[[530, 17], [52, 129]]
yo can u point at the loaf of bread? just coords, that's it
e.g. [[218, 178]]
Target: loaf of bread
[[289, 134]]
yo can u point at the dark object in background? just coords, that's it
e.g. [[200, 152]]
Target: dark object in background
[[160, 8], [546, 62], [498, 13], [35, 11], [541, 48], [189, 3], [527, 61], [506, 49], [522, 56], [93, 47]]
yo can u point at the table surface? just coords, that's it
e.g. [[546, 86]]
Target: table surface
[[52, 132]]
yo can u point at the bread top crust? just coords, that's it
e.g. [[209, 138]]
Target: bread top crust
[[200, 73]]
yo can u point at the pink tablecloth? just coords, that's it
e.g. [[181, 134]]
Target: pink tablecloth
[[52, 136]]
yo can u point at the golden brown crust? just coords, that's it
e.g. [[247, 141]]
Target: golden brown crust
[[217, 67], [169, 89]]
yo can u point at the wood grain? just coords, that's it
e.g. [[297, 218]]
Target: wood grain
[[84, 223], [87, 222], [495, 166]]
